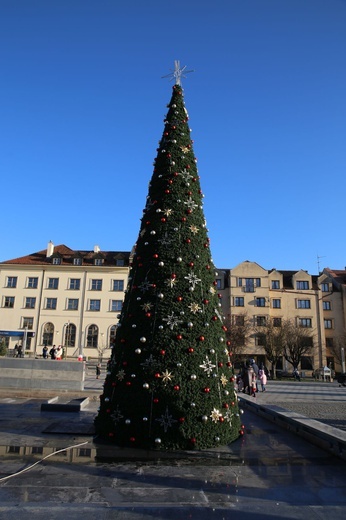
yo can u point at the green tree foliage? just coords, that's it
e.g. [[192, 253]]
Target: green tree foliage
[[170, 379]]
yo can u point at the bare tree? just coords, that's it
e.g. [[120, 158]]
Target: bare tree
[[297, 342], [337, 345], [239, 328], [273, 342]]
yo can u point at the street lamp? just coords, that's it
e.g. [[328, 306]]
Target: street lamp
[[343, 360], [67, 337]]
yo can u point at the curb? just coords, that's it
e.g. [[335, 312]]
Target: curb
[[326, 437]]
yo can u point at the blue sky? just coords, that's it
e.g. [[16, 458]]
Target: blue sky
[[82, 103]]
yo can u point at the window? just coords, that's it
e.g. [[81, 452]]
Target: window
[[249, 284], [51, 303], [53, 283], [92, 336], [56, 260], [260, 340], [112, 334], [239, 301], [9, 302], [276, 303], [328, 324], [77, 261], [275, 284], [260, 302], [239, 321], [72, 304], [48, 333], [37, 450], [120, 262], [30, 303], [303, 304], [28, 323], [277, 322], [325, 287], [96, 285], [118, 285], [32, 283], [116, 305], [70, 335], [302, 285], [94, 305], [12, 282], [327, 305], [329, 342], [218, 283], [260, 321], [74, 284], [98, 261], [305, 322]]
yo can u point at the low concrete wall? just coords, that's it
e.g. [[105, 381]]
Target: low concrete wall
[[42, 374]]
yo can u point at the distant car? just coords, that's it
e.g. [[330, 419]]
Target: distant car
[[342, 379]]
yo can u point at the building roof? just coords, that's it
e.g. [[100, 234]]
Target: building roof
[[67, 256], [338, 275]]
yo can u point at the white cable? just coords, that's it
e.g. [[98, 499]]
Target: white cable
[[38, 462]]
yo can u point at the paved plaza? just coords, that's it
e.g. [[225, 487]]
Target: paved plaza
[[51, 466]]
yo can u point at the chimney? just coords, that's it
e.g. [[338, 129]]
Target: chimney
[[50, 249], [96, 249]]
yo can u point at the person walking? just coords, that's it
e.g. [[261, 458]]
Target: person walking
[[98, 370], [263, 378]]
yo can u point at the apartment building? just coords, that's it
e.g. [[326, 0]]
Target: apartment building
[[60, 296], [310, 301]]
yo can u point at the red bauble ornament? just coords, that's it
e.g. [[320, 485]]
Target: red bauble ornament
[[124, 363], [111, 434], [176, 388], [189, 211], [157, 375], [132, 439], [189, 193], [224, 328], [140, 265], [163, 219], [123, 340], [207, 266], [155, 400], [183, 219], [167, 191], [170, 181], [193, 440], [181, 419], [155, 255], [128, 383], [206, 245], [190, 350], [179, 336], [114, 384], [201, 338], [220, 364], [148, 314], [225, 405], [179, 298], [175, 174], [221, 419], [147, 222], [188, 241], [191, 264], [108, 410], [205, 302], [214, 318], [162, 352], [207, 390], [173, 275]]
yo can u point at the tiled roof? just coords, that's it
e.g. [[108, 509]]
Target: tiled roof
[[67, 255], [338, 275]]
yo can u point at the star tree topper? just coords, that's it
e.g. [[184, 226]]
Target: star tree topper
[[178, 73]]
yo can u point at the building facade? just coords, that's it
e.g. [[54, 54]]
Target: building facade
[[60, 296]]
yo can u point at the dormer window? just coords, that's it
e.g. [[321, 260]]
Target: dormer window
[[77, 261], [56, 260], [98, 261]]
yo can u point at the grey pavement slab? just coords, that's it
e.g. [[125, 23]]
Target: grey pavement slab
[[268, 473]]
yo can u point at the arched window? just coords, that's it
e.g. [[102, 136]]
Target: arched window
[[92, 336], [48, 333], [112, 333], [70, 335]]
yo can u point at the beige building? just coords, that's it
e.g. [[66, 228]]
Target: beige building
[[60, 296], [312, 302]]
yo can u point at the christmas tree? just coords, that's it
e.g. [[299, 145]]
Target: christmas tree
[[170, 381]]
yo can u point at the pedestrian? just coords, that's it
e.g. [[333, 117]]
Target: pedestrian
[[256, 370], [296, 374], [98, 370], [263, 378], [20, 351], [45, 352], [15, 350], [58, 353], [52, 352]]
